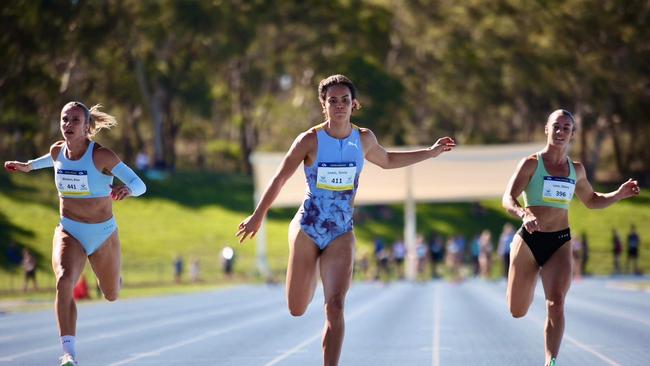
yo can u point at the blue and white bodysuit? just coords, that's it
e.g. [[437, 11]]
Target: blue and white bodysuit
[[332, 182]]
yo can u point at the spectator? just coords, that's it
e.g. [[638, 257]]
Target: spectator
[[362, 265], [617, 249], [195, 269], [455, 247], [399, 253], [437, 252], [503, 248], [576, 250], [633, 243], [383, 265], [421, 254], [178, 269], [485, 253], [585, 252], [29, 266], [475, 251], [228, 259], [379, 253], [142, 161]]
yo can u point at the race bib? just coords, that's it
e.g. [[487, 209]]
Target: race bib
[[336, 176], [72, 182], [558, 189]]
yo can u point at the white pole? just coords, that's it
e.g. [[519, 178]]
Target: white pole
[[262, 262], [409, 228]]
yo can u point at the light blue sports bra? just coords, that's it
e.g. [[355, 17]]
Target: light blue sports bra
[[80, 178]]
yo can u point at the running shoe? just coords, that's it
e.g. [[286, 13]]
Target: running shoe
[[552, 362], [68, 360]]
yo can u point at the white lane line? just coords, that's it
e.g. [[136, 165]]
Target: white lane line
[[213, 333], [437, 305], [591, 350], [156, 324], [89, 323], [577, 343], [567, 336], [600, 309], [364, 309]]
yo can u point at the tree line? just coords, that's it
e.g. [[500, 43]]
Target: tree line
[[203, 84]]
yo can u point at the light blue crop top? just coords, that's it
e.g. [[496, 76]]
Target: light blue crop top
[[80, 178]]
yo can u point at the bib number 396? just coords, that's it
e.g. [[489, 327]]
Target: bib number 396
[[558, 189]]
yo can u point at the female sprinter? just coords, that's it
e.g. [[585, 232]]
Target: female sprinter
[[548, 180], [333, 154], [83, 173]]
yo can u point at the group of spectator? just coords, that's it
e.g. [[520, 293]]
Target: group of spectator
[[481, 256], [632, 251]]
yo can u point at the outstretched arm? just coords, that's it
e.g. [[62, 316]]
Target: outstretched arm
[[296, 155], [592, 199], [42, 162], [377, 154]]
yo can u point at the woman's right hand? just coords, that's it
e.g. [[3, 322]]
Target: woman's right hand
[[249, 227], [530, 222], [15, 166]]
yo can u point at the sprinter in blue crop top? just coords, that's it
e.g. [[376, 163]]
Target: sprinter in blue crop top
[[548, 180], [333, 155], [83, 174]]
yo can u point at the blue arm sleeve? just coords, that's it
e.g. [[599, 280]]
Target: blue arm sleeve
[[130, 179], [44, 161]]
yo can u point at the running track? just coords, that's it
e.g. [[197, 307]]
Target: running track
[[433, 323]]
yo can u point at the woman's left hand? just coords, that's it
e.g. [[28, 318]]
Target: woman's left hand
[[119, 193], [629, 189], [443, 144]]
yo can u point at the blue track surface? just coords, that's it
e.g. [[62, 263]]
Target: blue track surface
[[432, 323]]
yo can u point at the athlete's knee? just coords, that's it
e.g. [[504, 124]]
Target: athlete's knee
[[64, 283], [334, 308], [111, 295], [555, 306], [517, 309], [297, 308], [518, 312], [111, 292]]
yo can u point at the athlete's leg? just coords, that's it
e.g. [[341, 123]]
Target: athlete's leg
[[522, 277], [106, 262], [556, 278], [68, 261], [336, 265], [301, 270]]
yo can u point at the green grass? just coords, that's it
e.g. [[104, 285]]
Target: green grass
[[195, 215]]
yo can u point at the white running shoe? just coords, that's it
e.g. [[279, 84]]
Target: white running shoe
[[68, 360]]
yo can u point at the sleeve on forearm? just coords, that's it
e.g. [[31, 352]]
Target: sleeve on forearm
[[44, 161], [130, 179]]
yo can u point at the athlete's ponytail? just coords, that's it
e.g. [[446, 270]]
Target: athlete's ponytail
[[99, 120]]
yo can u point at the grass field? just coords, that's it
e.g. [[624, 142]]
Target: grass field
[[195, 215]]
